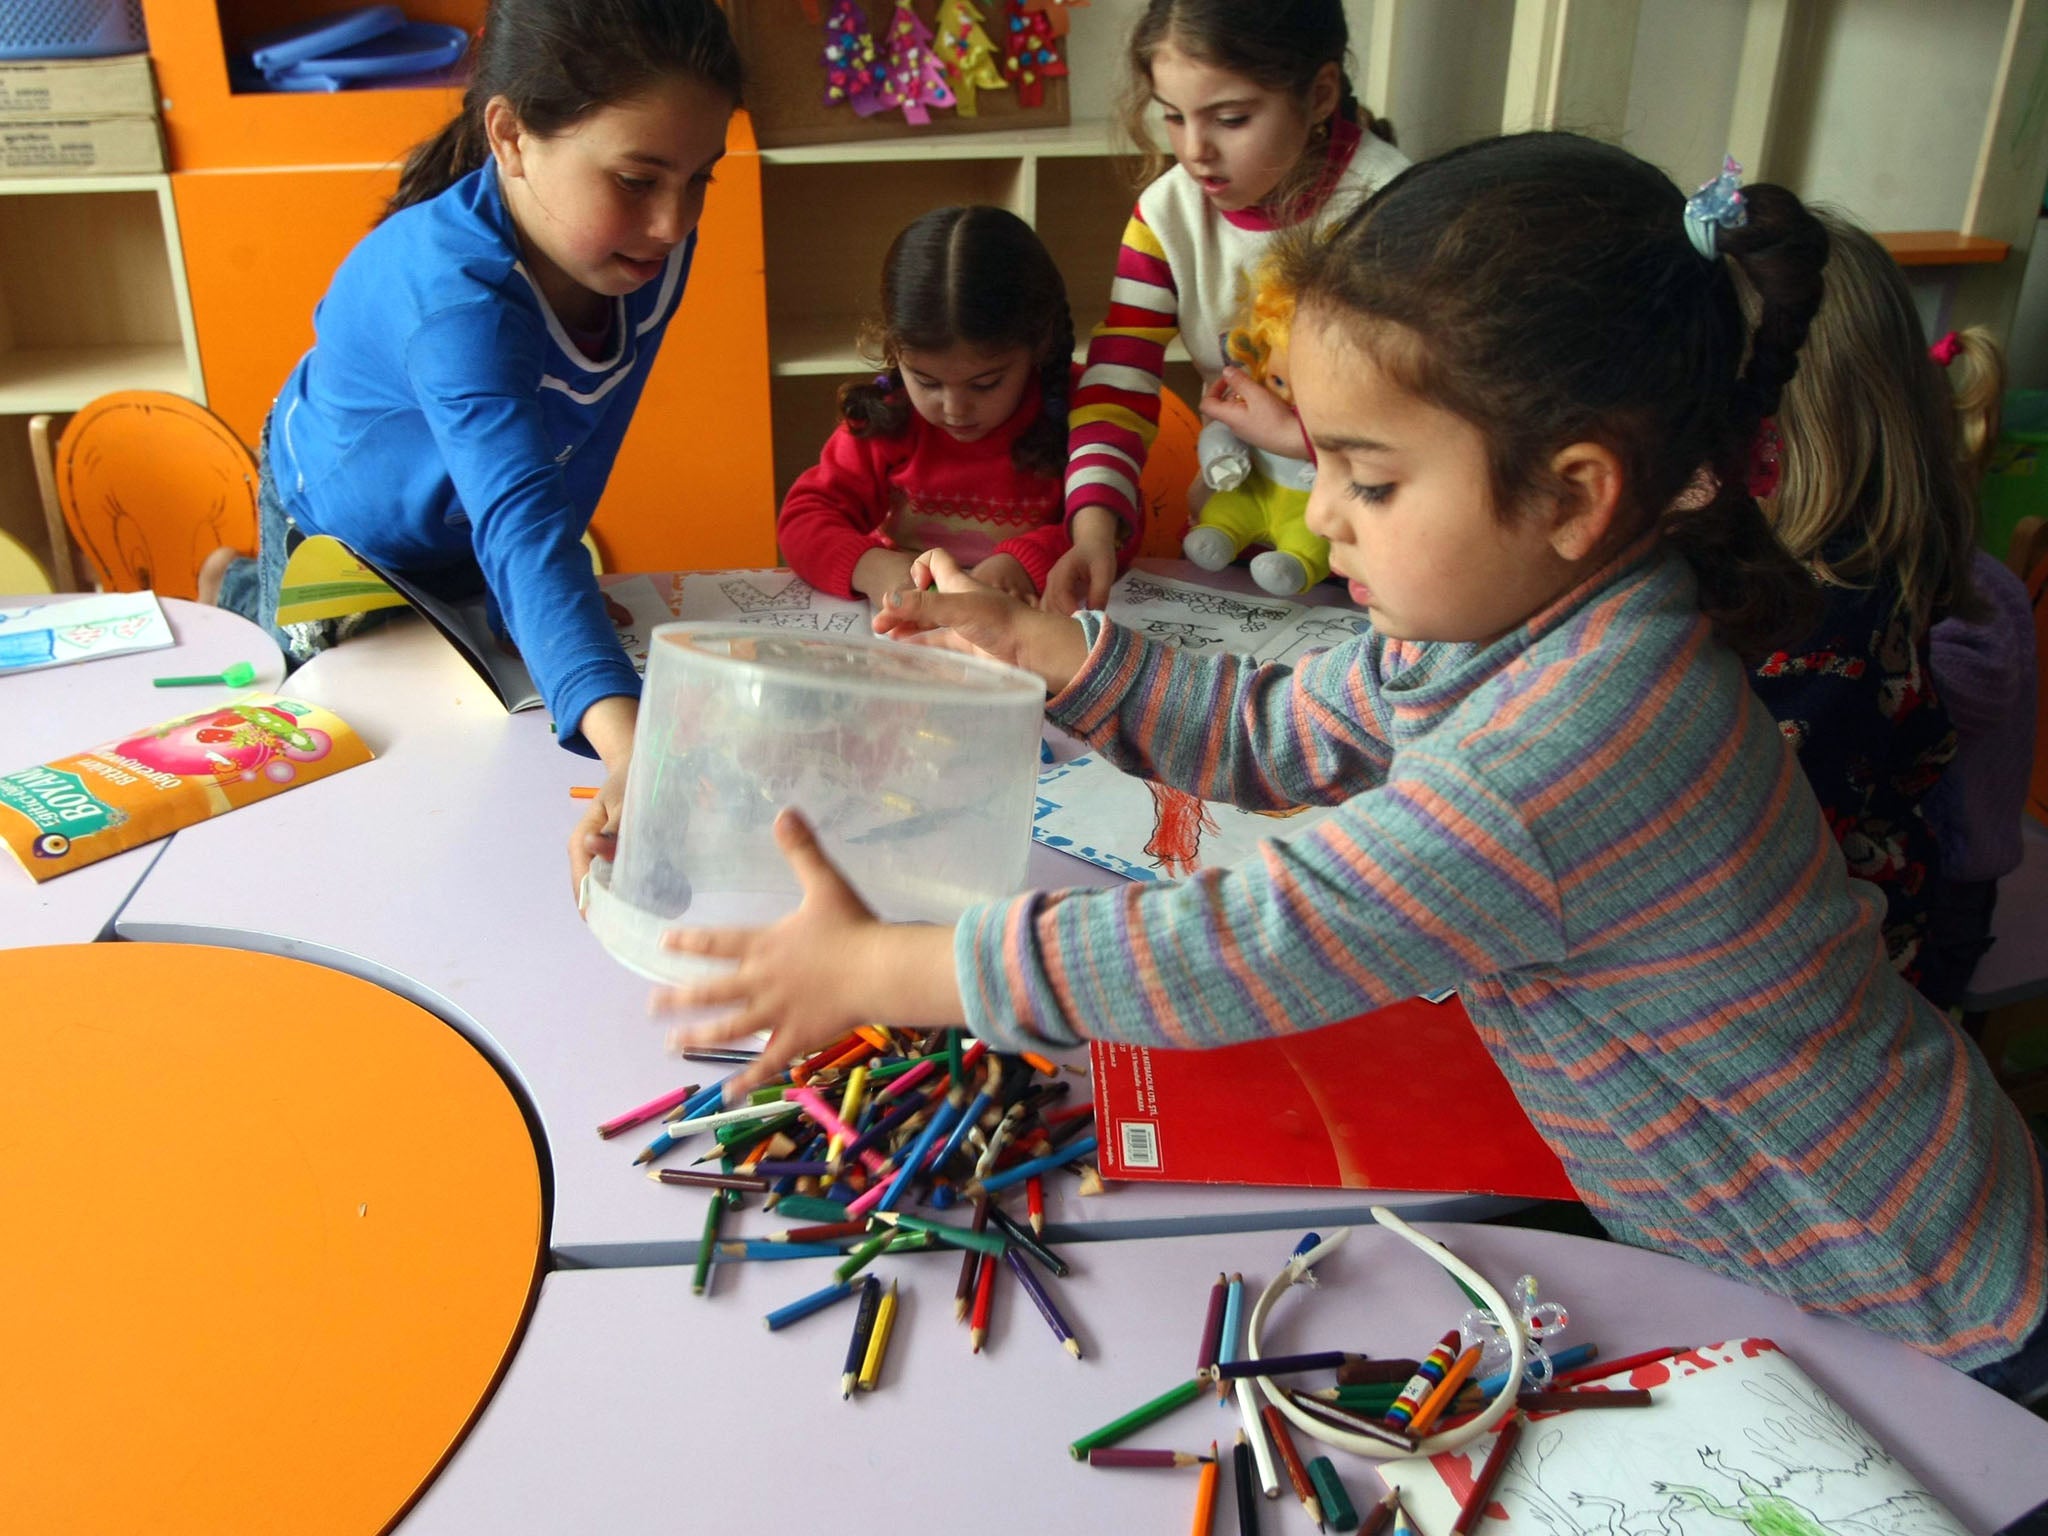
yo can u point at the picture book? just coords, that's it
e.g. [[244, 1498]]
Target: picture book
[[81, 629], [1201, 618], [1736, 1435], [1328, 1108], [61, 815], [323, 579]]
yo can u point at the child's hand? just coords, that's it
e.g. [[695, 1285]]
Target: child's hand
[[1006, 573], [1254, 413], [810, 978], [597, 832], [1082, 577], [945, 606], [881, 570]]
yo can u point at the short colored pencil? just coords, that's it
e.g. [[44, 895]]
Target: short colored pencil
[[811, 1208], [646, 1112], [1563, 1360], [1177, 1396], [1212, 1323], [984, 1303], [963, 1293], [744, 1114], [825, 1232], [878, 1342], [1023, 1237], [863, 1332], [1205, 1495], [755, 1248], [1601, 1370], [1042, 1299], [1357, 1423], [1424, 1381], [1255, 1436], [576, 791], [1034, 1202], [1379, 1516], [992, 1243], [719, 1054], [799, 1167], [664, 1142], [1547, 1402], [704, 1179], [1247, 1501], [1360, 1373], [700, 1276], [860, 1258], [1281, 1365], [1005, 1177], [1233, 1308], [1335, 1498], [818, 1300], [1117, 1456], [1443, 1392], [1474, 1508], [1290, 1458], [824, 1114]]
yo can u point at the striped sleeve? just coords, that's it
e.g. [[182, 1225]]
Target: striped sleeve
[[1310, 735], [1432, 879], [1115, 411]]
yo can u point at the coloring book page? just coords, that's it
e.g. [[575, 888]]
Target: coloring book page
[[1737, 1441], [1146, 831], [1200, 619], [82, 629], [779, 599], [635, 606]]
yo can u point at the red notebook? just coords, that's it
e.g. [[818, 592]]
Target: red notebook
[[1403, 1098]]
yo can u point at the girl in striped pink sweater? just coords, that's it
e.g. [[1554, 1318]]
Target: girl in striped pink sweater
[[1531, 392]]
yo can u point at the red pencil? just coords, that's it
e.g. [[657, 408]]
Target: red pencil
[[984, 1294], [1034, 1202], [1474, 1508], [1599, 1370]]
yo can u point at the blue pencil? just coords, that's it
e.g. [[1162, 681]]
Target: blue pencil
[[966, 1123], [1024, 1170], [804, 1306], [934, 1128], [755, 1249], [1563, 1360]]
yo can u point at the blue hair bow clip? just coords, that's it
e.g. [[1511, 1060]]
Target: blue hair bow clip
[[1717, 205]]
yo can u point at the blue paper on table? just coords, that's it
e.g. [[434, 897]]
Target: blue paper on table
[[84, 629]]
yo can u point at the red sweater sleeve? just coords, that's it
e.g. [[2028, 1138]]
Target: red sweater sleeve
[[1038, 550], [834, 513]]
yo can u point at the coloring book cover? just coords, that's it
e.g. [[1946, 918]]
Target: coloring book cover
[[1737, 1441], [81, 629]]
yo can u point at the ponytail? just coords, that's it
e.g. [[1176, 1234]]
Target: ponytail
[[1756, 593], [1041, 448], [436, 164], [876, 407], [1976, 382]]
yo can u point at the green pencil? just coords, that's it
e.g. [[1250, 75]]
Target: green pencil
[[700, 1277], [1174, 1397], [991, 1243]]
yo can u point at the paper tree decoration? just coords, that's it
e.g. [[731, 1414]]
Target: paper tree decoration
[[917, 73], [968, 55], [1058, 12], [852, 71], [1029, 57]]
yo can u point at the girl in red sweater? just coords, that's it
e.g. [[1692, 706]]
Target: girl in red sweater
[[961, 443]]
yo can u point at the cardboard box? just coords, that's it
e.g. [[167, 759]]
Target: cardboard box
[[87, 146], [59, 90]]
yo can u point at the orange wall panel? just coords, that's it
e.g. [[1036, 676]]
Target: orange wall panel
[[694, 484]]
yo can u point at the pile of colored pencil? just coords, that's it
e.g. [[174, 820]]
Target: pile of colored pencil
[[852, 1134]]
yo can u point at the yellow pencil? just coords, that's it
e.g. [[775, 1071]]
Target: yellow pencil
[[878, 1341], [849, 1106], [1445, 1390]]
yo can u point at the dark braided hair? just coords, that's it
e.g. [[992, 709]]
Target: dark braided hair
[[978, 275], [556, 61], [1543, 287]]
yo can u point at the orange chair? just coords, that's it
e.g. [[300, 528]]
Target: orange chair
[[1170, 468], [146, 485]]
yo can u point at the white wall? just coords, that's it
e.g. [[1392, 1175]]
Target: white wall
[[1682, 85]]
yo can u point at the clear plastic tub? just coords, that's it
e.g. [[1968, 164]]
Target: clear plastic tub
[[917, 767]]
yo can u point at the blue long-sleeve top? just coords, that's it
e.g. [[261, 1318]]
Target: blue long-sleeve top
[[445, 421]]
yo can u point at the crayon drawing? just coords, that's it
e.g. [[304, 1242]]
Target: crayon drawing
[[1200, 618], [1146, 831], [1738, 1441]]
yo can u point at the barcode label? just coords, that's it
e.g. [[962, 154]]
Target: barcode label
[[1141, 1143]]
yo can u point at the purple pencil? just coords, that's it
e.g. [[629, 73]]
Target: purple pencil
[[1212, 1325], [1035, 1289]]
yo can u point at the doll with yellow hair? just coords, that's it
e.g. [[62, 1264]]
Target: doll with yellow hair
[[1258, 497]]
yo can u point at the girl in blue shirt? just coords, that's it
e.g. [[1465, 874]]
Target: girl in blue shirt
[[479, 354]]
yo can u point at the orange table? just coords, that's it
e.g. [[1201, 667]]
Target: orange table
[[272, 1233]]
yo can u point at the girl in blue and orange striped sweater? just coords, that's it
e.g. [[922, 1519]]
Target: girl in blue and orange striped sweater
[[1531, 392]]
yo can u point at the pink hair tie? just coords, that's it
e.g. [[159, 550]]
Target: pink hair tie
[[1944, 351]]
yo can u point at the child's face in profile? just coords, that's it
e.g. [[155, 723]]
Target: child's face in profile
[[965, 392], [1403, 494], [601, 204], [1237, 138]]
